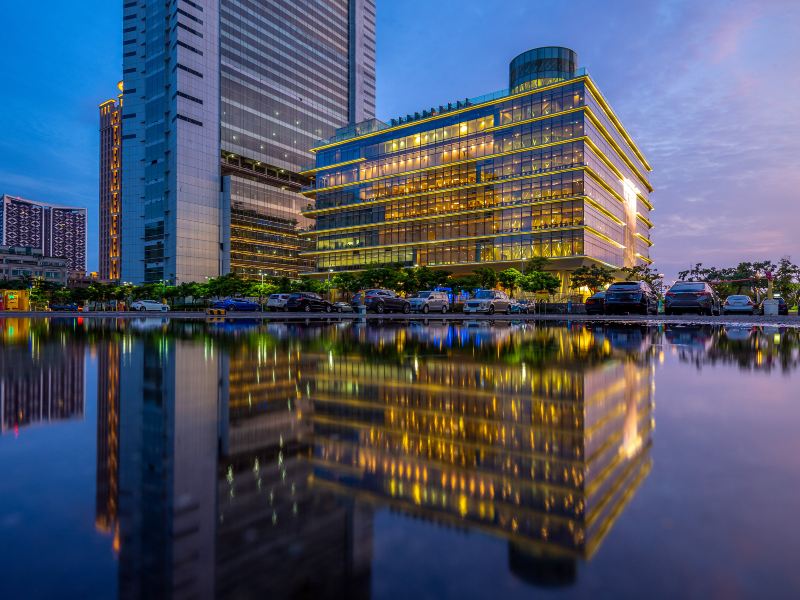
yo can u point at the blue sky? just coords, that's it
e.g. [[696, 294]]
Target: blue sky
[[709, 89]]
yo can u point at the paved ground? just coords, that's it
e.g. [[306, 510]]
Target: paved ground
[[782, 321]]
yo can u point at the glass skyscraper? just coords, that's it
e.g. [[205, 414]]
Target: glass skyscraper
[[221, 108], [543, 169]]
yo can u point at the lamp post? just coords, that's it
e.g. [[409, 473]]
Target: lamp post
[[261, 291]]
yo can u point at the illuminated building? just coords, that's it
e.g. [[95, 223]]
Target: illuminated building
[[543, 169], [108, 391], [544, 446], [39, 382], [57, 231], [214, 495], [230, 98], [278, 536], [110, 186]]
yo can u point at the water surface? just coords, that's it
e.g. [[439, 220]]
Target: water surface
[[151, 458]]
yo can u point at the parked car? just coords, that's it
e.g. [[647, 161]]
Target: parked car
[[237, 305], [149, 305], [630, 297], [691, 296], [428, 301], [381, 301], [488, 301], [64, 307], [739, 304], [522, 306], [783, 308], [308, 302], [342, 307], [277, 302], [594, 303]]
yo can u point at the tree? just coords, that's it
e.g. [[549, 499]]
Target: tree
[[787, 280], [486, 276], [510, 278], [592, 277], [464, 283], [346, 282], [539, 281], [230, 284], [537, 263], [647, 274], [381, 277], [696, 273], [428, 278]]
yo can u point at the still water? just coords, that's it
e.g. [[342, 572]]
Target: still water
[[153, 458]]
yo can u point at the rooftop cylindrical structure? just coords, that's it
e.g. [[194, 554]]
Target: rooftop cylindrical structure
[[541, 66]]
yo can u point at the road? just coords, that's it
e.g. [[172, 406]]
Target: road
[[780, 321]]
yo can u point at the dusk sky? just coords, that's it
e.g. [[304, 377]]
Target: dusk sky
[[709, 89]]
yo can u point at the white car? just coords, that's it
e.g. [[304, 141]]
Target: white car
[[149, 305], [277, 301], [489, 302]]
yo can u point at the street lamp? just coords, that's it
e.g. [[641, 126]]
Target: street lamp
[[261, 291]]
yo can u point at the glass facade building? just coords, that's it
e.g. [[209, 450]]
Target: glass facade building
[[221, 110], [543, 170], [110, 187]]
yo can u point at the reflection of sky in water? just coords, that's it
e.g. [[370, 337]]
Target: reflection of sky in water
[[249, 459]]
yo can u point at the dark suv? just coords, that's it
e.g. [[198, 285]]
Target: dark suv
[[630, 297], [381, 301], [691, 296], [307, 302]]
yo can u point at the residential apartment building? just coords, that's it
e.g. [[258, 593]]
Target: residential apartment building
[[110, 187], [57, 231], [543, 169], [40, 382], [221, 108]]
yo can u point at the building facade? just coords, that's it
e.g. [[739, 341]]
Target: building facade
[[221, 109], [544, 455], [110, 187], [25, 262], [40, 383], [57, 231], [543, 169]]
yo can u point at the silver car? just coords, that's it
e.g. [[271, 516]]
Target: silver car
[[277, 302], [426, 302], [739, 304], [149, 305], [488, 301]]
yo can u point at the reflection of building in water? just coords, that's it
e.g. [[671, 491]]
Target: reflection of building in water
[[168, 462], [213, 481], [275, 537], [249, 464], [541, 439], [107, 494], [40, 381]]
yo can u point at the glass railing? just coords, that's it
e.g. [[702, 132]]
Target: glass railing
[[372, 125]]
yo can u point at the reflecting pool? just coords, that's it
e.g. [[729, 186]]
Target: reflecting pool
[[153, 457]]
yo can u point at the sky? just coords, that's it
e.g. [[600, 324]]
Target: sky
[[709, 90]]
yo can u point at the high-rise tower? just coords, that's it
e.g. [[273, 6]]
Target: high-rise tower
[[110, 186], [222, 106]]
